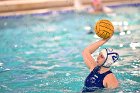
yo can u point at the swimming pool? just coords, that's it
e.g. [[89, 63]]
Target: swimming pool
[[41, 53]]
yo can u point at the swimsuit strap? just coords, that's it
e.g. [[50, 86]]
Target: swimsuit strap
[[108, 72]]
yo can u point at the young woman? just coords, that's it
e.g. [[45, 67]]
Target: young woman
[[100, 74], [99, 8]]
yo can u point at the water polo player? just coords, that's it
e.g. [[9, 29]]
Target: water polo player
[[100, 74]]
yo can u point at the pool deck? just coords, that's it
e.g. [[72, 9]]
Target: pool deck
[[16, 7]]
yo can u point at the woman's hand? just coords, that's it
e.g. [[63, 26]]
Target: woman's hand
[[107, 39]]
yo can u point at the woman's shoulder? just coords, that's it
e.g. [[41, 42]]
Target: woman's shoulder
[[111, 81]]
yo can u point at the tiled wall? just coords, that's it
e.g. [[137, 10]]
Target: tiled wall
[[19, 5]]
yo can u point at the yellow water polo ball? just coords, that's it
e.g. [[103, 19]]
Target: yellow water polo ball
[[104, 29]]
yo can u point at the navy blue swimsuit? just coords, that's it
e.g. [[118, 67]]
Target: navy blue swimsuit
[[94, 80]]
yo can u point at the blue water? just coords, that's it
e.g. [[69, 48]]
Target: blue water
[[42, 53]]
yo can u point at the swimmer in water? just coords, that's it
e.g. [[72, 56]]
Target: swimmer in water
[[98, 7], [100, 74]]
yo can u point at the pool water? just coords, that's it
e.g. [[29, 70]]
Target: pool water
[[41, 53]]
